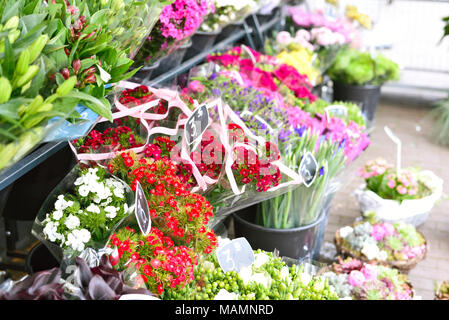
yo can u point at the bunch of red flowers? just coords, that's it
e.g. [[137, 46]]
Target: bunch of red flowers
[[174, 210], [159, 262], [141, 95], [117, 138]]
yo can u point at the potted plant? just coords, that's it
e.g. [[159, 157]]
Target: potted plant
[[357, 280], [406, 196], [442, 292], [397, 245], [358, 76]]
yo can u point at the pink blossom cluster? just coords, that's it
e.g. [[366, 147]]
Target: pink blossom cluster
[[308, 19], [382, 230], [374, 168], [358, 278], [351, 137], [412, 252], [405, 183], [182, 18]]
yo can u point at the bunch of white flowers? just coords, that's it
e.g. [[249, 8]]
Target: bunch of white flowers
[[89, 213]]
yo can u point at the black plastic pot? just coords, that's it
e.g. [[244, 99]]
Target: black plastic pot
[[201, 41], [173, 60], [40, 258], [296, 243], [264, 18], [228, 31], [366, 97], [144, 74]]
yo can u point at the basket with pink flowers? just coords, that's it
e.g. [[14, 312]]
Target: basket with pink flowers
[[397, 245], [406, 195]]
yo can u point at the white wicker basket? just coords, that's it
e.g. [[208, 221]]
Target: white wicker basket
[[414, 212]]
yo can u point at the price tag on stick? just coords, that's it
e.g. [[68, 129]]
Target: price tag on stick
[[196, 124], [142, 211], [336, 110], [308, 169], [398, 143], [235, 255]]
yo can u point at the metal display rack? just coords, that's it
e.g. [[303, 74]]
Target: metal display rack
[[253, 33]]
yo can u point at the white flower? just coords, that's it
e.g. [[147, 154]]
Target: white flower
[[74, 242], [285, 274], [370, 250], [112, 211], [245, 273], [223, 294], [345, 231], [260, 259], [83, 190], [78, 181], [62, 204], [72, 222], [83, 235], [119, 193], [261, 278], [57, 214], [382, 256], [93, 208], [50, 231], [305, 278]]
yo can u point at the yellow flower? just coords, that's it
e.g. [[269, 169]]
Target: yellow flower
[[300, 59]]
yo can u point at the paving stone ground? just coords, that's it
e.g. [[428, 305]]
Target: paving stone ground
[[412, 125]]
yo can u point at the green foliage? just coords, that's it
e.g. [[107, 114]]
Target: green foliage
[[354, 111], [440, 131], [355, 67]]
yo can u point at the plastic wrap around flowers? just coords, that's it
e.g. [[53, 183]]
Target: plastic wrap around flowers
[[82, 212], [230, 165]]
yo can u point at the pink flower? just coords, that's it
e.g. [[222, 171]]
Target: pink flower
[[401, 190], [302, 34], [389, 229], [391, 184], [413, 191], [283, 37], [370, 272], [196, 86], [378, 232], [356, 278]]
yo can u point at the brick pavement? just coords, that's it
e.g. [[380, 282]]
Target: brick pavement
[[412, 125]]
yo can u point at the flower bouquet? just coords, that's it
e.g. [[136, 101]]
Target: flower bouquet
[[356, 280], [406, 196], [82, 212], [397, 245], [442, 292], [269, 277], [177, 23], [226, 12]]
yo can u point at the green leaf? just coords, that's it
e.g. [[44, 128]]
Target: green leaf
[[8, 60], [31, 21], [10, 109], [32, 7], [99, 17], [7, 134], [100, 106], [37, 82]]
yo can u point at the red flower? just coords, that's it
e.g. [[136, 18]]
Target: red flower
[[155, 263], [129, 161], [160, 288]]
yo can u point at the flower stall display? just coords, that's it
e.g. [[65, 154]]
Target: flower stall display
[[442, 291], [407, 196], [177, 23], [357, 280], [82, 212], [268, 278], [397, 245]]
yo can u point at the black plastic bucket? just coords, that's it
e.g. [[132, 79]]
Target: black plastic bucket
[[296, 243], [40, 258], [201, 41], [144, 74], [227, 31], [264, 18], [366, 97], [172, 60]]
